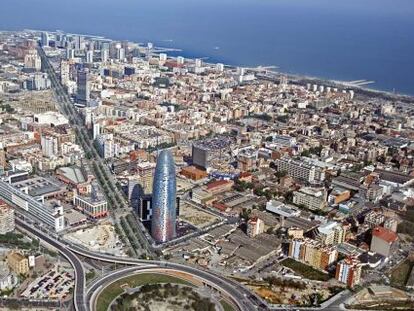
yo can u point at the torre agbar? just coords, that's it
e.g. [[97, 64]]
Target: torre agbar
[[164, 199]]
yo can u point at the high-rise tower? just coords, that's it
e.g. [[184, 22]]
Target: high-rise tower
[[83, 92], [164, 199]]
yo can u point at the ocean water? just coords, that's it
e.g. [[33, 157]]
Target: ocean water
[[333, 39]]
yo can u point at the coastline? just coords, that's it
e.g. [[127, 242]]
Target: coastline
[[300, 79]]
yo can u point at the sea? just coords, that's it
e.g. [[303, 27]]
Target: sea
[[344, 40]]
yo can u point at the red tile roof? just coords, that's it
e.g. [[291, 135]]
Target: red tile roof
[[384, 234], [217, 183]]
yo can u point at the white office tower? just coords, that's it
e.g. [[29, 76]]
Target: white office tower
[[96, 130], [70, 53], [120, 54], [64, 72], [220, 67], [150, 47], [91, 46], [89, 57], [180, 60], [198, 62], [163, 57], [79, 43], [49, 146], [44, 39], [104, 55]]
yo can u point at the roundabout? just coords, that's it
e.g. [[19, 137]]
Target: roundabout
[[156, 287]]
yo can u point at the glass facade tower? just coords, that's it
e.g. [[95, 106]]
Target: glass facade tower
[[164, 199]]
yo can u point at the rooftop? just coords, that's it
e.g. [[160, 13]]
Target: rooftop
[[385, 234]]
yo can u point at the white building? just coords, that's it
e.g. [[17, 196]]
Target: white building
[[49, 146], [8, 280], [50, 215], [51, 118], [300, 170], [313, 199], [6, 218], [281, 209], [89, 57], [331, 233]]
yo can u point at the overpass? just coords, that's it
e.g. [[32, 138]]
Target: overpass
[[80, 281], [239, 295]]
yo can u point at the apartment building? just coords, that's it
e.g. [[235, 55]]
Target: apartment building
[[300, 170], [312, 253], [348, 271], [311, 198]]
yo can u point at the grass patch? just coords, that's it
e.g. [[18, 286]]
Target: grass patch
[[304, 270], [90, 275], [401, 273], [17, 239], [226, 306], [115, 289]]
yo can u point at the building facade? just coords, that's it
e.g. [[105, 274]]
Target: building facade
[[18, 263], [6, 218], [348, 271], [312, 253], [163, 224], [384, 241], [83, 85], [255, 226], [313, 199], [300, 170]]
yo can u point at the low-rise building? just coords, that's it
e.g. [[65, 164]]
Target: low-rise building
[[18, 263], [8, 279], [193, 173], [331, 233], [339, 195], [94, 205], [374, 219], [281, 209], [295, 233], [300, 170], [219, 186], [311, 198], [255, 226]]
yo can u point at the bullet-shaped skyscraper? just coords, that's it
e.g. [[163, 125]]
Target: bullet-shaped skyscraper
[[164, 199]]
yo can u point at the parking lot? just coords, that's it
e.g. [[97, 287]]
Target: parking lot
[[52, 285]]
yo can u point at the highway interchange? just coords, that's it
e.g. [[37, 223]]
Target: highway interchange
[[240, 296]]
